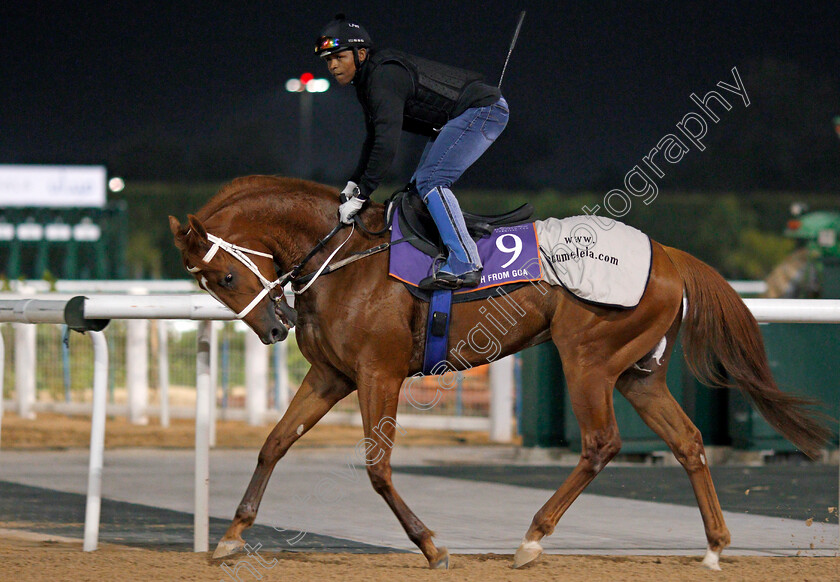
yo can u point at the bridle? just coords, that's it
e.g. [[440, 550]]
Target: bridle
[[293, 276], [241, 254]]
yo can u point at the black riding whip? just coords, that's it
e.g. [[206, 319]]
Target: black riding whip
[[512, 44]]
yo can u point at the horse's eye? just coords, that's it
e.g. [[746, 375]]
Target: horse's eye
[[228, 277]]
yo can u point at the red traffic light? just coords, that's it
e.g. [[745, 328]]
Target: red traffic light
[[306, 77]]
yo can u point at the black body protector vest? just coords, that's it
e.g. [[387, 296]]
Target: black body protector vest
[[438, 90]]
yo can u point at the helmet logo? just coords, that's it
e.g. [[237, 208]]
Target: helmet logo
[[341, 34]]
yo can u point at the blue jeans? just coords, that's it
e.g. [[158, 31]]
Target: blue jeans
[[458, 145]]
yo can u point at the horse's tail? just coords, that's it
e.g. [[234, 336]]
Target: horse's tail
[[724, 348]]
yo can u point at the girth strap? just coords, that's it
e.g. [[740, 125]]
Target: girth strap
[[437, 329]]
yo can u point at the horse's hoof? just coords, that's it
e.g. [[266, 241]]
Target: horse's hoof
[[441, 561], [228, 548], [712, 560], [526, 553]]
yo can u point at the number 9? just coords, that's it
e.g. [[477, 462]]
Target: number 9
[[516, 250]]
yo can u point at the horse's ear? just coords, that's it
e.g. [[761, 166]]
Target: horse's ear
[[174, 225], [193, 235], [178, 232], [183, 234], [197, 227]]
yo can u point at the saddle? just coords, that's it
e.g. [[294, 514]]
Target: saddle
[[414, 225], [417, 225]]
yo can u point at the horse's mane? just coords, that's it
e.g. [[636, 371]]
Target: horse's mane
[[250, 186]]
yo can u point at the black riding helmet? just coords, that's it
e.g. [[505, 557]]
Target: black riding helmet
[[341, 34]]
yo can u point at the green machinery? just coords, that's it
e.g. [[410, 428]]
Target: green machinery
[[818, 232]]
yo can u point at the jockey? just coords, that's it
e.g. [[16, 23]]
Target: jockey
[[460, 113]]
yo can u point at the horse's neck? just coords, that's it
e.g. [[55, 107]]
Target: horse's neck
[[296, 234]]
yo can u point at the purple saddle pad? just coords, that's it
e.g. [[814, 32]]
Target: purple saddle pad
[[509, 255]]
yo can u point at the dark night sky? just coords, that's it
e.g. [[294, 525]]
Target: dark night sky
[[591, 85]]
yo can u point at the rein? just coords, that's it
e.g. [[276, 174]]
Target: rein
[[344, 262], [389, 217], [357, 221], [321, 244], [292, 275], [326, 268]]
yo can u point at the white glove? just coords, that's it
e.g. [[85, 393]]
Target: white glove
[[352, 203], [350, 190], [348, 210]]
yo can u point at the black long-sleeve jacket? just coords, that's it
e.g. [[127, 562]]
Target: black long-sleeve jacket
[[398, 92]]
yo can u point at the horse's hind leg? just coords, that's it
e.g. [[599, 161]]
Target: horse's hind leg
[[591, 396], [318, 393], [649, 395]]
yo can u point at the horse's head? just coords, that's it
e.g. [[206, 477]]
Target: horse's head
[[243, 288]]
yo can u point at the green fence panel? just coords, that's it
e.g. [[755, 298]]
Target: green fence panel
[[548, 420], [830, 283], [803, 360], [542, 419]]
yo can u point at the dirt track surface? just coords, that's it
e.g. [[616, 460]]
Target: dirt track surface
[[48, 561], [49, 431], [27, 557]]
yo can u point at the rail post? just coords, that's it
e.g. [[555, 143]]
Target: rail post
[[137, 370], [163, 370], [201, 517], [2, 376], [501, 400], [281, 371], [97, 440], [256, 379], [214, 374], [25, 343]]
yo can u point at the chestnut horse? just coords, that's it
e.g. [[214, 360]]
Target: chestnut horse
[[362, 330]]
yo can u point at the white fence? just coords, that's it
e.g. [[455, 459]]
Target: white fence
[[144, 353]]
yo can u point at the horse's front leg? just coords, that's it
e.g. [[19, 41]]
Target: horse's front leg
[[318, 393], [378, 399]]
